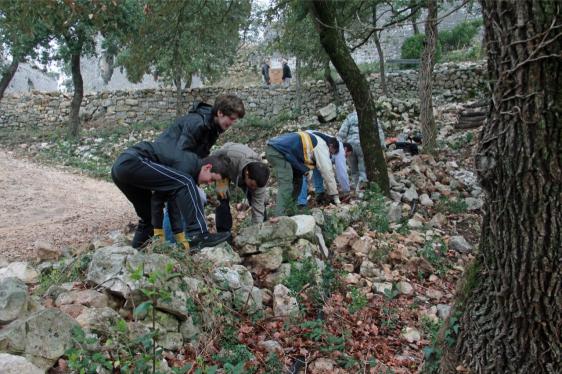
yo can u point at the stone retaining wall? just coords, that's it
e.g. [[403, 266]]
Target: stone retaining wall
[[452, 81]]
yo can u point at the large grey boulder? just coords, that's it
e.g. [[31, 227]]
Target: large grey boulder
[[221, 255], [42, 337], [21, 270], [112, 268], [13, 299], [327, 113], [306, 227], [284, 229], [11, 364], [108, 268]]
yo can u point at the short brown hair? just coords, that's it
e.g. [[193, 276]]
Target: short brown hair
[[229, 105], [221, 165]]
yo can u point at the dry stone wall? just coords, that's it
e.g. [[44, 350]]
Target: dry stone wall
[[452, 81]]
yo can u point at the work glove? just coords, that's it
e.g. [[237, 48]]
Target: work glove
[[221, 187], [182, 240], [158, 235], [336, 199]]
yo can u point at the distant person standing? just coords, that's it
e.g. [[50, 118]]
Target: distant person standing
[[265, 72], [286, 74]]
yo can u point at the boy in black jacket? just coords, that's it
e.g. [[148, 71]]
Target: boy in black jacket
[[171, 164]]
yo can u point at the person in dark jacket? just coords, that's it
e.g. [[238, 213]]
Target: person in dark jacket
[[286, 74], [191, 136], [197, 132], [265, 73]]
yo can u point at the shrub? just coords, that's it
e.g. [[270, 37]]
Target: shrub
[[460, 36], [412, 48]]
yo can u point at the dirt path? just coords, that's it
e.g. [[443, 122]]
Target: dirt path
[[40, 205]]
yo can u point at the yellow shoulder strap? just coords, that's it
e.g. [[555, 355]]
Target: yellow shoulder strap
[[307, 149]]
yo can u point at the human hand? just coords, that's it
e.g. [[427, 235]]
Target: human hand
[[221, 188], [336, 200]]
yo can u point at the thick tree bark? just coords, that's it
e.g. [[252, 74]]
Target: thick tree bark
[[511, 321], [324, 17], [379, 52], [328, 78], [7, 76], [298, 84], [429, 131], [177, 84], [78, 95]]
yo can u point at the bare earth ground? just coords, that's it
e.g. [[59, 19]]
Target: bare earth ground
[[41, 205]]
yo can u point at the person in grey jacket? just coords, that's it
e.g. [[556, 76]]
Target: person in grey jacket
[[349, 132], [249, 173]]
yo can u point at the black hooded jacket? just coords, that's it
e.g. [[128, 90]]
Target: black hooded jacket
[[195, 132]]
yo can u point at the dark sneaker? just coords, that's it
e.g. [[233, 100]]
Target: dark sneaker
[[143, 234], [208, 239]]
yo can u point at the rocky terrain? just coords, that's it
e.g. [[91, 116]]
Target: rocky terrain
[[362, 287]]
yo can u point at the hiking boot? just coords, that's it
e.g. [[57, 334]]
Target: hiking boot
[[208, 239], [143, 234]]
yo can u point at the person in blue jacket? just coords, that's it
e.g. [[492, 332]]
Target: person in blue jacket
[[293, 155]]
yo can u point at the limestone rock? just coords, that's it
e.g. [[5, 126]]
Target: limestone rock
[[443, 311], [89, 298], [382, 287], [42, 337], [410, 195], [221, 255], [270, 260], [301, 249], [473, 203], [13, 299], [271, 346], [283, 303], [98, 319], [459, 244], [285, 229], [425, 200], [362, 246], [305, 226], [411, 335], [248, 299], [405, 288], [11, 364], [171, 341], [323, 365], [21, 270], [327, 113], [108, 268]]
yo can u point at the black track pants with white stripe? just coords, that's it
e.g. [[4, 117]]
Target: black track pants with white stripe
[[137, 177]]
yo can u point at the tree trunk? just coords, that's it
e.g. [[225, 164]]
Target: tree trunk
[[78, 95], [324, 17], [511, 321], [429, 131], [413, 18], [8, 75], [177, 83], [380, 52], [328, 78], [298, 84]]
